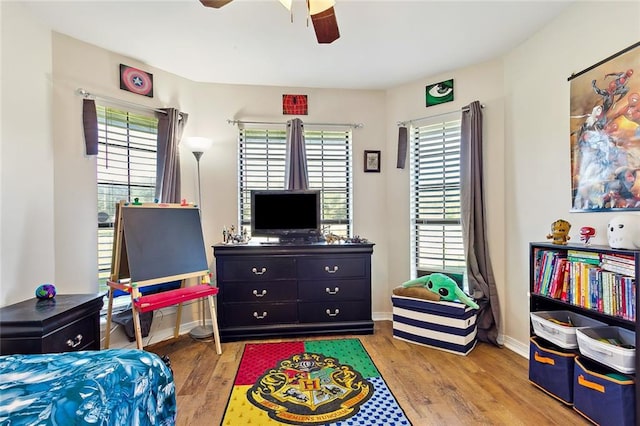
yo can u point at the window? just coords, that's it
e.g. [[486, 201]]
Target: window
[[436, 231], [329, 163], [126, 170]]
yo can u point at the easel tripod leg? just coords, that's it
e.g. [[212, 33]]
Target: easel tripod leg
[[214, 323]]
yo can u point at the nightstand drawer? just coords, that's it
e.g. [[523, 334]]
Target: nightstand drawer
[[259, 291], [334, 290], [257, 269], [334, 311], [77, 336], [332, 267], [43, 326], [257, 314]]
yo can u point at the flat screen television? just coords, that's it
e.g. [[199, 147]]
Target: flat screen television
[[288, 214]]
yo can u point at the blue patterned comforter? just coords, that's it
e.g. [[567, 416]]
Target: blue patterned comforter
[[109, 387]]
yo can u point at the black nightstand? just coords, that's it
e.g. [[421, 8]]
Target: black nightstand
[[66, 323]]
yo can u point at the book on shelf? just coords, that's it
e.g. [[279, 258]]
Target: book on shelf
[[620, 268], [583, 256], [620, 258]]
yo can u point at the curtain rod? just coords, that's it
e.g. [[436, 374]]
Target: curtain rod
[[85, 94], [354, 125], [463, 109]]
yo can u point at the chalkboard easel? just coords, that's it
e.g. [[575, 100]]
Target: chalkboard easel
[[153, 244]]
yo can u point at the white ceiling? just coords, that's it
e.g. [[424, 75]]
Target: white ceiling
[[382, 43]]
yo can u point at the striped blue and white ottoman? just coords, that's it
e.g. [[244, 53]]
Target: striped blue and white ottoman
[[448, 326]]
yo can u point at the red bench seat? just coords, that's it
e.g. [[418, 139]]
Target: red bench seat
[[173, 297]]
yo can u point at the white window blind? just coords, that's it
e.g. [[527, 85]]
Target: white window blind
[[435, 197], [329, 163], [126, 169]]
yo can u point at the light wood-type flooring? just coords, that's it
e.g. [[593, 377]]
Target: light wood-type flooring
[[487, 387]]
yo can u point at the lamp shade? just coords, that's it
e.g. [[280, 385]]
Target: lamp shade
[[197, 143]]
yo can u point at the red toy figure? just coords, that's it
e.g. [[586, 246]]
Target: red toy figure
[[586, 233]]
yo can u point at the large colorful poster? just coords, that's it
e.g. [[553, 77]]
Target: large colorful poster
[[605, 134]]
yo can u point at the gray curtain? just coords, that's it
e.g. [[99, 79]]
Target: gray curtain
[[90, 125], [402, 147], [482, 284], [170, 126], [295, 169]]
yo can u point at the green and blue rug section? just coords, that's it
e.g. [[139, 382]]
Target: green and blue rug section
[[320, 382]]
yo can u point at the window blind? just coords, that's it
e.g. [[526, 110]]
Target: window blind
[[436, 231], [126, 169], [262, 154]]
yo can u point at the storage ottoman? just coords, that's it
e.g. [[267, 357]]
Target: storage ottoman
[[448, 326]]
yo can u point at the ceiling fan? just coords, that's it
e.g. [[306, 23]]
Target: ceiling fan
[[322, 15]]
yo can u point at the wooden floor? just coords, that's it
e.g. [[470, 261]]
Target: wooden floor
[[487, 387]]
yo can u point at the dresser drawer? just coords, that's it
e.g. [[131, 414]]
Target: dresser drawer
[[332, 267], [334, 311], [333, 290], [257, 314], [78, 335], [260, 291], [257, 269]]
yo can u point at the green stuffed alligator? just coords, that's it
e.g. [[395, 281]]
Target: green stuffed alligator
[[443, 285]]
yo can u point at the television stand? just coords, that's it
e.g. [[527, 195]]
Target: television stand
[[291, 289]]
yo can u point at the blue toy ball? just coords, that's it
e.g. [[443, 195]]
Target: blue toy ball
[[46, 291]]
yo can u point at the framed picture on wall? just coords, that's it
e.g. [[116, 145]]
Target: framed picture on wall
[[372, 161], [136, 81], [439, 93], [605, 134], [295, 105]]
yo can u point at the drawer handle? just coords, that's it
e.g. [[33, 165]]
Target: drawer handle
[[75, 342], [256, 316], [331, 271], [335, 314], [255, 293], [260, 272], [335, 290]]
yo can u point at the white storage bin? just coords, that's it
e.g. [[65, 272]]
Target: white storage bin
[[619, 358], [558, 334]]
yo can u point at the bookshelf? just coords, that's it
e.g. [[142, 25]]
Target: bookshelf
[[595, 281]]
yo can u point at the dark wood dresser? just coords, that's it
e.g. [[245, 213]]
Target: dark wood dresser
[[273, 290], [66, 323]]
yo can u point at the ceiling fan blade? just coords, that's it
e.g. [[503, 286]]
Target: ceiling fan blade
[[215, 3], [326, 26]]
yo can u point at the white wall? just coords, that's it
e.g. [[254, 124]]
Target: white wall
[[27, 229], [537, 156]]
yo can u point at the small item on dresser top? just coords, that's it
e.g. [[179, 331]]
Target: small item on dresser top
[[560, 232], [586, 233], [46, 291]]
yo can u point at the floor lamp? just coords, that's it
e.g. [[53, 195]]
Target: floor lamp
[[198, 145]]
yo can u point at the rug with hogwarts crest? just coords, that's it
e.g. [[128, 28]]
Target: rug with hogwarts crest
[[320, 382]]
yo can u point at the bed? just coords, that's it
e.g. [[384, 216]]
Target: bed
[[108, 387]]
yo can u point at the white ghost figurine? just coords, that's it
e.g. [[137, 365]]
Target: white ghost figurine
[[623, 231]]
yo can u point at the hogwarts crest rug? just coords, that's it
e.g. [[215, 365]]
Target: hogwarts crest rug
[[320, 382]]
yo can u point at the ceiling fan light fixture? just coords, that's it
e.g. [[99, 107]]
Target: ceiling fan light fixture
[[287, 4], [318, 6], [216, 4]]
